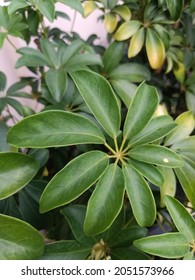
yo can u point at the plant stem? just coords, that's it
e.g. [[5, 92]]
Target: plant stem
[[116, 144], [73, 22], [110, 148], [11, 43]]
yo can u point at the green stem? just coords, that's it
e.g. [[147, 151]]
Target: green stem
[[116, 144], [122, 144], [110, 148], [11, 43]]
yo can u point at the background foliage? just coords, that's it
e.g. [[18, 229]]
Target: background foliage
[[106, 169]]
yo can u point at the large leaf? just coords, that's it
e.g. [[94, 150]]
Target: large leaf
[[56, 80], [185, 125], [140, 197], [132, 72], [100, 98], [148, 171], [19, 240], [106, 201], [168, 245], [74, 179], [75, 215], [65, 250], [141, 110], [157, 128], [54, 129], [175, 8], [181, 218], [16, 170], [155, 154]]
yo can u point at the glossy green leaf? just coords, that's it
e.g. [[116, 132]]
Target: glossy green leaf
[[186, 147], [140, 197], [126, 30], [3, 81], [189, 256], [129, 253], [125, 90], [49, 51], [106, 201], [123, 11], [32, 58], [157, 128], [183, 221], [155, 154], [73, 180], [115, 49], [168, 245], [47, 8], [75, 215], [74, 4], [16, 5], [100, 99], [136, 43], [66, 53], [175, 8], [54, 129], [187, 180], [141, 110], [65, 250], [16, 170], [82, 60], [169, 185], [4, 146], [190, 101], [19, 240], [185, 125], [132, 72], [149, 171], [56, 80], [110, 22], [3, 36]]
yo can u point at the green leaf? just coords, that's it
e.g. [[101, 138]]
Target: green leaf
[[140, 197], [168, 245], [115, 50], [127, 30], [186, 147], [141, 110], [19, 240], [185, 125], [187, 180], [54, 129], [169, 185], [183, 221], [100, 99], [16, 170], [106, 201], [125, 90], [3, 81], [16, 5], [157, 128], [74, 4], [175, 8], [73, 180], [49, 51], [32, 58], [56, 80], [4, 146], [128, 254], [149, 171], [132, 72], [155, 154], [123, 11], [3, 35], [190, 254], [47, 8], [82, 60], [16, 105], [75, 215], [136, 43], [65, 250]]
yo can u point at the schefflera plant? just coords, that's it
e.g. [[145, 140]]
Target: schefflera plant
[[125, 163]]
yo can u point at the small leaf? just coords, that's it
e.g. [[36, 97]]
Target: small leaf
[[89, 7], [168, 245], [179, 70], [65, 250], [140, 197], [155, 154], [185, 125], [185, 147], [16, 5], [141, 110], [129, 253], [3, 81], [149, 171], [47, 8], [169, 185], [16, 170], [175, 8], [155, 49], [115, 50], [109, 192], [136, 43], [32, 58], [183, 221], [73, 180], [74, 4], [100, 99], [123, 11], [49, 51], [157, 128], [56, 80], [54, 129], [19, 240], [127, 30], [110, 22], [132, 72], [66, 53]]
